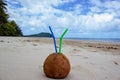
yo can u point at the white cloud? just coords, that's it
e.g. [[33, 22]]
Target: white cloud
[[77, 9], [96, 3], [95, 9], [107, 6], [100, 18], [112, 5], [40, 13], [32, 29]]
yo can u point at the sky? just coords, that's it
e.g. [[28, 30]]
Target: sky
[[83, 18]]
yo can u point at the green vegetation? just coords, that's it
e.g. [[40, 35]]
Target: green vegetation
[[7, 28], [43, 34]]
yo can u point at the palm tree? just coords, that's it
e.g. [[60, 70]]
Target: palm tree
[[3, 15], [3, 5], [7, 28], [19, 32]]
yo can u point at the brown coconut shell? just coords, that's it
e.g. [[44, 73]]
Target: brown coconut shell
[[56, 66]]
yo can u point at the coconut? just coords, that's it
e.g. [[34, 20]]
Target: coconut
[[56, 66]]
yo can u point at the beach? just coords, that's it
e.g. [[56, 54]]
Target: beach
[[22, 58]]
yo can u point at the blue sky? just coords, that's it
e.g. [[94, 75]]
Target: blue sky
[[83, 18]]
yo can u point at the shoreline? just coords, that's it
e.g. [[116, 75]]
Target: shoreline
[[105, 46], [104, 40]]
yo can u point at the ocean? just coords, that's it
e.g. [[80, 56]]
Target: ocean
[[97, 39]]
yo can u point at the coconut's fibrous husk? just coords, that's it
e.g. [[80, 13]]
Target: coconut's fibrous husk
[[56, 66]]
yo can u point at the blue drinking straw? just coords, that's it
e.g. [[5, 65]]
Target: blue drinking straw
[[53, 39]]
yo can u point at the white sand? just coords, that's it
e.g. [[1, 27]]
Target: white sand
[[23, 58]]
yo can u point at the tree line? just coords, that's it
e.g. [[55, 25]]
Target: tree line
[[7, 28]]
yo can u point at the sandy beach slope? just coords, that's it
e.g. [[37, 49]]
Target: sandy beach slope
[[22, 58]]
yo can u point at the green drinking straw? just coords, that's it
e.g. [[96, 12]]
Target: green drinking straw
[[61, 37]]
